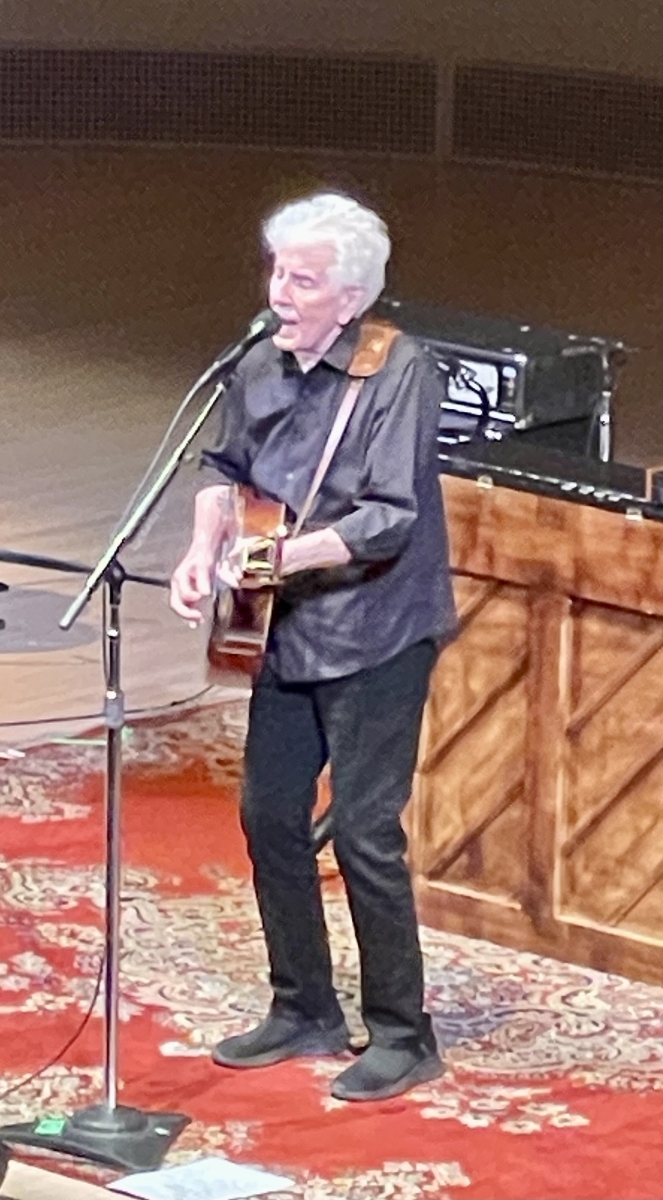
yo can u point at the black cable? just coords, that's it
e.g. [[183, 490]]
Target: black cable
[[97, 987], [474, 386], [61, 1053], [593, 427]]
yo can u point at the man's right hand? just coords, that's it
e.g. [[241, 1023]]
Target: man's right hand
[[191, 582]]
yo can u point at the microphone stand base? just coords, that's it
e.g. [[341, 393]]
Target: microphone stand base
[[114, 1137]]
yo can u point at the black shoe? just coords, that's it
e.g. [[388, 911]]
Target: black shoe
[[383, 1071], [280, 1037]]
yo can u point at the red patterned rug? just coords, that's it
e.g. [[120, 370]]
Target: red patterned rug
[[554, 1081]]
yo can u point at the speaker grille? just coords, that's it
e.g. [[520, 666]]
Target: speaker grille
[[371, 104], [570, 120]]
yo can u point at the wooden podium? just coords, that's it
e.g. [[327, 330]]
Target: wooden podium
[[537, 814]]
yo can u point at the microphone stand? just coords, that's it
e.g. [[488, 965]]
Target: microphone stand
[[109, 1133], [45, 563]]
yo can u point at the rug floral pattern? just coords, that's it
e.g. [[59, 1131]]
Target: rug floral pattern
[[537, 1052]]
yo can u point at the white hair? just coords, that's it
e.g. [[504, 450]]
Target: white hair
[[358, 235]]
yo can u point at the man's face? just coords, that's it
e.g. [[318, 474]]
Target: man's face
[[312, 306]]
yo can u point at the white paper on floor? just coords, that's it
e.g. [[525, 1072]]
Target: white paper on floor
[[211, 1178]]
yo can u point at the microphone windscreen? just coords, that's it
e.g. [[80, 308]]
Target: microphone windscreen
[[265, 324]]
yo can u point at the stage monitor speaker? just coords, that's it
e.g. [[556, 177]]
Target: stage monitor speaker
[[503, 378]]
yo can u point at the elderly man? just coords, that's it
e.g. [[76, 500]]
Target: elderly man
[[364, 606]]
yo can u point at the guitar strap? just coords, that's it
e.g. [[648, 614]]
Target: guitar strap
[[375, 341]]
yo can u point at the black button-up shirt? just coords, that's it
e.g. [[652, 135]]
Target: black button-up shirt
[[381, 494]]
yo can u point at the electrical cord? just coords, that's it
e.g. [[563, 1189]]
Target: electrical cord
[[97, 987], [472, 384], [68, 1044]]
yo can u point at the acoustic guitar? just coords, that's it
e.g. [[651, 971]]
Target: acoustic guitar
[[241, 616]]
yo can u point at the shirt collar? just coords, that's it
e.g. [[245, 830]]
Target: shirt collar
[[340, 353]]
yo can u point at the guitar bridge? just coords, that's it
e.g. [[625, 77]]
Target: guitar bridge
[[263, 559]]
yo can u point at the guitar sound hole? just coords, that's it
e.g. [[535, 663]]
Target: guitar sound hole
[[249, 616]]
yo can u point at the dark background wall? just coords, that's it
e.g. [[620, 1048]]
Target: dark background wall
[[601, 34]]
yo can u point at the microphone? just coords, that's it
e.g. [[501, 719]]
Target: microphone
[[263, 325]]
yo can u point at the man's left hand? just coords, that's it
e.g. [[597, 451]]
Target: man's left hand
[[312, 551]]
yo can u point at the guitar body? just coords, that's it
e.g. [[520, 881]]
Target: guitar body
[[241, 616]]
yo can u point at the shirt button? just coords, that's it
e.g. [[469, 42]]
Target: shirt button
[[290, 475]]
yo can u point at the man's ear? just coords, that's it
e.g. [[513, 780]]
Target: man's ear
[[353, 297]]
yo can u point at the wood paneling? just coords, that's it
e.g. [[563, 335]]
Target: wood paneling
[[536, 818]]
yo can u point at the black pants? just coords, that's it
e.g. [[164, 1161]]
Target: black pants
[[367, 726]]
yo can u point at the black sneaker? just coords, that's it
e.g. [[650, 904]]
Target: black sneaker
[[383, 1071], [280, 1037]]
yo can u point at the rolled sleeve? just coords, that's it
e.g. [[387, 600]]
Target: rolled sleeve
[[384, 513]]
